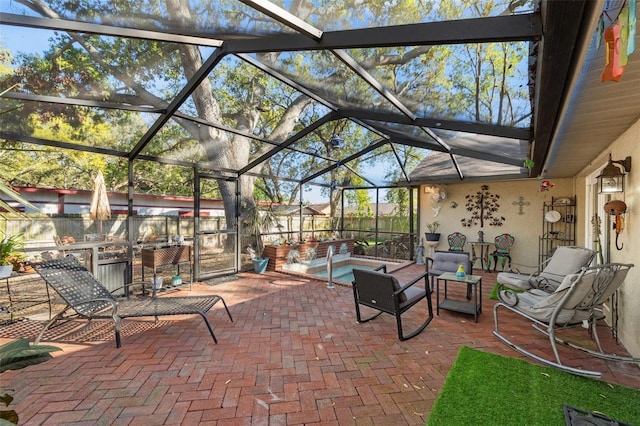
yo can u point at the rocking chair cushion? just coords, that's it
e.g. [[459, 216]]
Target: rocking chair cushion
[[565, 260], [410, 295], [541, 305], [402, 297]]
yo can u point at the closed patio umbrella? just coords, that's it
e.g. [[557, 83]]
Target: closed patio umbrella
[[100, 209]]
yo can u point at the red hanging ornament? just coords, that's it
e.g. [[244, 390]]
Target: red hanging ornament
[[545, 185]]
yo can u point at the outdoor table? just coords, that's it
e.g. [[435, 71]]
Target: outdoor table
[[483, 248], [449, 304]]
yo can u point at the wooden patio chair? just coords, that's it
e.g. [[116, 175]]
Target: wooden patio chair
[[90, 299], [381, 291], [576, 302]]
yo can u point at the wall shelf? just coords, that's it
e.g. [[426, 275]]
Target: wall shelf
[[558, 226]]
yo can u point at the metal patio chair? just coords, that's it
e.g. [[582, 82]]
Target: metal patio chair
[[577, 301], [456, 241], [381, 291], [91, 300], [503, 243]]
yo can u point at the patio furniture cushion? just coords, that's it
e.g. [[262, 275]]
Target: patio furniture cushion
[[402, 297], [446, 261], [565, 260]]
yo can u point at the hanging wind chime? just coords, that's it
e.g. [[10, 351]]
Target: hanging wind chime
[[620, 40]]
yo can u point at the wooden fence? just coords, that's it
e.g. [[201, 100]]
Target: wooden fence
[[42, 230]]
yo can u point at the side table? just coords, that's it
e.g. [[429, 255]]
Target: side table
[[483, 247], [167, 256], [474, 307]]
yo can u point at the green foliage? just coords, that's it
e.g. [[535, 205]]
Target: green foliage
[[361, 199], [432, 227], [15, 355], [399, 197], [10, 249], [18, 354]]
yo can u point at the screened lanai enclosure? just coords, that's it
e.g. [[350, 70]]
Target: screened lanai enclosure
[[276, 107]]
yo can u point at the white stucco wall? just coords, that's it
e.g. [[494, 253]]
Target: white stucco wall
[[629, 296], [525, 227]]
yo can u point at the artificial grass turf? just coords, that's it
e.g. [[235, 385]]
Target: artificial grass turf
[[488, 389]]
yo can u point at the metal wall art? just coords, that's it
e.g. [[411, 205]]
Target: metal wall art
[[521, 203], [484, 207]]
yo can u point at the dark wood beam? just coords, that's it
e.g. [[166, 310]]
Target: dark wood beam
[[433, 123], [565, 25], [493, 29]]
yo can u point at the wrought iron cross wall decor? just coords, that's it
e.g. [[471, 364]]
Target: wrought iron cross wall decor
[[521, 203]]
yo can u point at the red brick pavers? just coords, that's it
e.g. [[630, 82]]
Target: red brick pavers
[[293, 355]]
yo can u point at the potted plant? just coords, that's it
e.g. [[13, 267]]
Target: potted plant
[[10, 253], [431, 234], [259, 222]]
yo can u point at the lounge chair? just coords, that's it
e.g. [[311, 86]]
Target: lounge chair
[[565, 260], [381, 291], [90, 299], [577, 301]]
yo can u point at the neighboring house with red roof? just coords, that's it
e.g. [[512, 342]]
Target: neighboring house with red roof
[[76, 201]]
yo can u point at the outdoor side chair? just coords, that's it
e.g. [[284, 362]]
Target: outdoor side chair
[[456, 241], [448, 261], [577, 301], [90, 299], [503, 244], [381, 291]]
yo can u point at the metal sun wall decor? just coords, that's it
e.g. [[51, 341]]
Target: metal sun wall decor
[[483, 206]]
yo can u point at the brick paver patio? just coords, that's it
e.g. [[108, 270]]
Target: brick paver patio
[[293, 355]]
